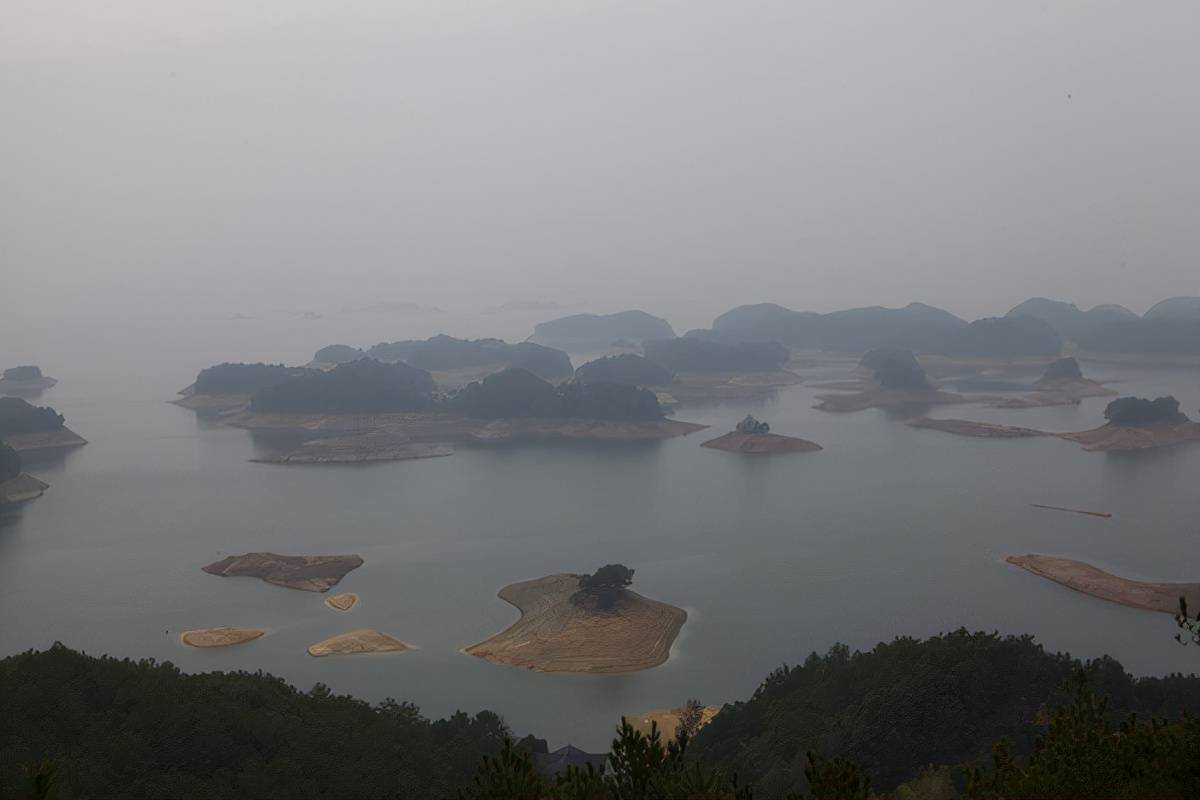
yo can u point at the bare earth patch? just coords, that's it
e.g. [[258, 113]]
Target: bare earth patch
[[356, 643], [556, 635], [342, 602], [1126, 437], [307, 573], [982, 430], [220, 637], [21, 488], [761, 443], [887, 398], [61, 439], [667, 719], [356, 449], [1085, 578]]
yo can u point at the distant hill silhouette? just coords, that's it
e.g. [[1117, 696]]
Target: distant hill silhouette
[[581, 331]]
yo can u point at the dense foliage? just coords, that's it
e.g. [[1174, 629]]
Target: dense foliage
[[1140, 411], [690, 354], [24, 373], [1005, 337], [10, 462], [244, 378], [443, 352], [628, 368], [1066, 318], [355, 387], [519, 393], [145, 730], [601, 330], [895, 369], [18, 416], [1063, 369], [910, 703], [602, 588], [337, 354], [1167, 336]]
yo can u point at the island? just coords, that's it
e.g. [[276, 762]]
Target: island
[[755, 438], [25, 380], [897, 381], [16, 486], [583, 623], [342, 602], [980, 430], [1061, 384], [35, 429], [220, 637], [594, 332], [1085, 578], [224, 387], [306, 573], [367, 410], [1135, 423], [359, 642]]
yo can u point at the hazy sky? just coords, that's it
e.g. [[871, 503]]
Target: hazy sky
[[682, 157]]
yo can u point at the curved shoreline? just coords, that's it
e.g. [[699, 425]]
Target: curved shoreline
[[555, 635], [1083, 577]]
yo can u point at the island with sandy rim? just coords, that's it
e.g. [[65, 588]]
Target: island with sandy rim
[[557, 634], [979, 430], [897, 381], [1106, 438], [307, 573], [342, 602], [1085, 578], [359, 642], [220, 637], [761, 443], [1061, 384]]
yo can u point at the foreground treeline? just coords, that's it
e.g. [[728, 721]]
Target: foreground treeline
[[960, 715]]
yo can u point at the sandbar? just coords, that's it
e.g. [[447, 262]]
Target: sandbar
[[699, 387], [1128, 437], [21, 488], [307, 573], [342, 602], [981, 430], [1085, 578], [761, 443], [357, 449], [887, 398], [556, 635], [61, 439], [220, 637], [359, 642]]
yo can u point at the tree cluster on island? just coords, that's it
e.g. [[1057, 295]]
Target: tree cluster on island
[[514, 393], [1062, 369], [838, 726], [601, 590], [695, 354], [627, 368], [10, 462], [443, 352], [23, 373], [231, 378], [18, 416], [355, 387], [1137, 411], [894, 368]]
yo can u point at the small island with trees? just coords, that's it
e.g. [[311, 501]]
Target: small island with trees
[[1061, 384], [584, 623], [1136, 423], [25, 380], [895, 380], [35, 429], [752, 437]]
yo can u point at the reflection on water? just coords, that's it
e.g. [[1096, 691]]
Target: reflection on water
[[889, 530]]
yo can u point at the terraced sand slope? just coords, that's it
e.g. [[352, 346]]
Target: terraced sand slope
[[1088, 579], [356, 643], [556, 635], [307, 573], [342, 602]]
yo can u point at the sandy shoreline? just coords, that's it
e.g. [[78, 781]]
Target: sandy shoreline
[[1105, 438], [220, 637], [62, 439], [356, 643], [888, 398], [21, 488], [555, 635], [306, 573]]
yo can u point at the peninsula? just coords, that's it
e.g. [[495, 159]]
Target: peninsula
[[583, 623], [28, 428], [307, 573], [1085, 578]]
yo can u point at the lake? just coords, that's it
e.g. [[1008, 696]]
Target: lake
[[888, 531]]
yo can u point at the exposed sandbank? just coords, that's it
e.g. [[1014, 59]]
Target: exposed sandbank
[[359, 642], [556, 635], [61, 439], [342, 602], [1085, 578], [888, 398], [1127, 437], [220, 637], [21, 488], [982, 430], [760, 443], [307, 573], [356, 449]]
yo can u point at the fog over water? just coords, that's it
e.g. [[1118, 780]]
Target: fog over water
[[197, 182]]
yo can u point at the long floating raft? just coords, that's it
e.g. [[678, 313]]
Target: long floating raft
[[1103, 514]]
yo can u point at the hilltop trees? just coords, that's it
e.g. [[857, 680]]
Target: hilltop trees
[[230, 378], [355, 387], [628, 368], [1140, 411], [519, 393], [895, 369], [18, 416], [602, 589]]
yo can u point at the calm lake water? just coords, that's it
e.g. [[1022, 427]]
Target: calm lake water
[[889, 531]]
